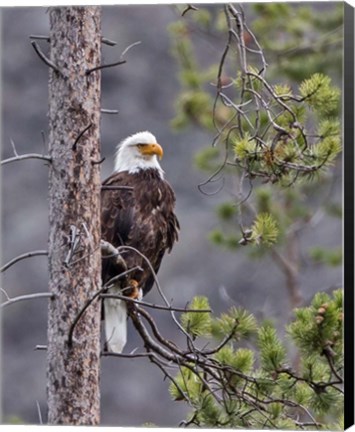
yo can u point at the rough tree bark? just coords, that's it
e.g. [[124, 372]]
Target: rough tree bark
[[74, 215]]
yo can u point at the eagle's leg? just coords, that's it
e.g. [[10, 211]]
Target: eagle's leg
[[134, 291]]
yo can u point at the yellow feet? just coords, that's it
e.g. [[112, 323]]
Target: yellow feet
[[134, 291]]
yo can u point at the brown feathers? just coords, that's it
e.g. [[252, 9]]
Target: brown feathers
[[142, 217]]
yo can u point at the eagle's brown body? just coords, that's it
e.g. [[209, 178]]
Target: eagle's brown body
[[142, 218]]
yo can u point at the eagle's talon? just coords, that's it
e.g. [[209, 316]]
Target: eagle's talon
[[134, 291]]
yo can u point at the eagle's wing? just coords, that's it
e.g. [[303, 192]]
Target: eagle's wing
[[116, 209], [142, 218], [116, 218]]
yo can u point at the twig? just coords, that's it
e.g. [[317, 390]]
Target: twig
[[113, 280], [89, 302], [167, 375], [148, 341], [119, 62], [108, 111], [154, 359], [5, 293], [41, 348], [224, 341], [152, 305], [80, 314], [26, 297], [156, 332], [156, 280], [44, 141], [307, 424], [13, 147], [129, 47], [21, 257], [74, 240], [88, 233], [124, 355], [108, 41], [39, 412], [188, 8], [331, 365], [26, 156], [40, 37], [45, 59], [212, 177], [98, 162], [122, 248], [80, 135]]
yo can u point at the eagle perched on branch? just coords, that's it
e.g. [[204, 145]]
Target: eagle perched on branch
[[139, 215]]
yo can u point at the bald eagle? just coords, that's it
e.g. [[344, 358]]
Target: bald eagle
[[142, 217]]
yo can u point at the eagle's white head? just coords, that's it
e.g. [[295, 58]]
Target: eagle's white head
[[138, 152]]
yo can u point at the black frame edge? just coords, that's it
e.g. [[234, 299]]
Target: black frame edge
[[348, 134]]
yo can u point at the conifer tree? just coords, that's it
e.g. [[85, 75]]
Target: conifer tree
[[275, 122]]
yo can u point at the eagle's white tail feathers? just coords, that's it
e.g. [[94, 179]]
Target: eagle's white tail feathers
[[115, 324]]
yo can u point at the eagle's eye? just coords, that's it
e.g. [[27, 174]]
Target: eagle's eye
[[140, 145]]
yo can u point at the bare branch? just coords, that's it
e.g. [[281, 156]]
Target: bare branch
[[80, 314], [45, 59], [26, 156], [13, 147], [149, 343], [80, 135], [26, 297], [108, 41], [152, 305], [40, 37], [119, 62], [188, 8], [224, 341], [39, 412], [108, 111], [22, 257], [90, 301], [5, 293], [168, 344], [129, 47], [41, 348], [329, 357], [158, 287], [125, 355], [98, 162]]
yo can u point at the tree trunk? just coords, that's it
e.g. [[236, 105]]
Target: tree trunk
[[74, 216]]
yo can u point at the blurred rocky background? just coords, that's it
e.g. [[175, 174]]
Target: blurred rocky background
[[144, 91]]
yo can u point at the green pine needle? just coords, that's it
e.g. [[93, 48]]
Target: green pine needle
[[226, 210], [245, 148], [319, 94], [188, 385], [265, 230], [197, 323], [272, 352], [237, 321]]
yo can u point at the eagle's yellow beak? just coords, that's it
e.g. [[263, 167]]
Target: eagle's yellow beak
[[151, 149]]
